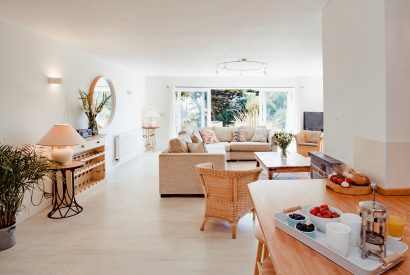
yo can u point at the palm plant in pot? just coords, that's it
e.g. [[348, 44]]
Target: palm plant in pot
[[21, 170]]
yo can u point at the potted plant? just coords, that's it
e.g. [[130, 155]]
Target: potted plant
[[21, 170], [91, 110], [283, 139]]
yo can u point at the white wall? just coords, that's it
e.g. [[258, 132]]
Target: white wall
[[29, 106], [308, 94], [366, 81], [353, 74]]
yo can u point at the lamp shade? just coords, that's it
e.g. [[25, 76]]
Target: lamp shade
[[61, 135], [151, 114]]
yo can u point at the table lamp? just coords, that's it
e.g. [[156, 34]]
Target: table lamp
[[61, 137], [150, 118]]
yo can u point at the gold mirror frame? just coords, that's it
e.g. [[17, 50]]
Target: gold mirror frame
[[113, 98]]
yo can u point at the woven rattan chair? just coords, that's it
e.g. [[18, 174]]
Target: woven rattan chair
[[226, 193]]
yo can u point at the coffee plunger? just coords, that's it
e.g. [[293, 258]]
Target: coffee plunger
[[374, 227]]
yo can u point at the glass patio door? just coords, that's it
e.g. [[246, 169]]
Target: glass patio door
[[192, 108]]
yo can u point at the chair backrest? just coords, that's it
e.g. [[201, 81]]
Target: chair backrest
[[226, 184]]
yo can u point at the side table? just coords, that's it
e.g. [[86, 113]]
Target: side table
[[64, 203], [149, 138]]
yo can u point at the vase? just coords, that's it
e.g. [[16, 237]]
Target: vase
[[92, 124], [7, 237], [284, 153]]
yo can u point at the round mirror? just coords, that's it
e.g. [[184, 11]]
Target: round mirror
[[103, 97]]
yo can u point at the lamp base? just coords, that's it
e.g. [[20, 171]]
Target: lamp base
[[62, 154]]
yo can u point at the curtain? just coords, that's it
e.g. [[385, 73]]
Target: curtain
[[291, 115], [172, 113]]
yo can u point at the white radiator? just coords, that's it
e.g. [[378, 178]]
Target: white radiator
[[126, 145]]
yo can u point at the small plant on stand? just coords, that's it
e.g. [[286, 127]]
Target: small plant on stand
[[283, 140]]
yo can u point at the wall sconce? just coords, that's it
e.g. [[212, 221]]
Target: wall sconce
[[55, 80]]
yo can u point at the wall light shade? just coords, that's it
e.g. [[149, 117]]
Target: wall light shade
[[61, 137], [55, 80]]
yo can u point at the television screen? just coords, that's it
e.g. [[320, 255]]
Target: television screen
[[313, 121]]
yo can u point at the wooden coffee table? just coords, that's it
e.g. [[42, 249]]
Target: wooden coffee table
[[273, 162]]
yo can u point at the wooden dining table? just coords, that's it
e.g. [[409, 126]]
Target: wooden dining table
[[293, 257]]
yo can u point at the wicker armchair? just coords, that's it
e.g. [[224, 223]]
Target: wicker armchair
[[226, 193], [308, 141]]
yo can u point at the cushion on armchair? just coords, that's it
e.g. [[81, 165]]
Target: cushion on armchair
[[312, 136]]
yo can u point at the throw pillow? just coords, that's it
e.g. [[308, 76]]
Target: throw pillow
[[196, 148], [175, 146], [209, 136], [242, 134], [312, 136], [184, 136], [260, 135], [235, 136]]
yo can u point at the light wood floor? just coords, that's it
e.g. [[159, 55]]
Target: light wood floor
[[126, 228]]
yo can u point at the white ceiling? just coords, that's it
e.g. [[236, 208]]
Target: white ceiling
[[183, 37]]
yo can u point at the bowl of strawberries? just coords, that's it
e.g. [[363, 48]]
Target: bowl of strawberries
[[323, 214]]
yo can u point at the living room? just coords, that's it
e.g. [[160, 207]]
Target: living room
[[138, 79]]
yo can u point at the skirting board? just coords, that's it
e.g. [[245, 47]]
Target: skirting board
[[394, 192]]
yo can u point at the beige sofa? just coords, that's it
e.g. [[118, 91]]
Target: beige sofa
[[177, 174]]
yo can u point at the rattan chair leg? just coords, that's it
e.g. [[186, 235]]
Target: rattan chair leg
[[253, 214], [233, 226], [204, 220]]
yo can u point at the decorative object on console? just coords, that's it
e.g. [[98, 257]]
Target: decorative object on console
[[21, 169], [61, 137], [85, 132], [150, 118], [283, 139]]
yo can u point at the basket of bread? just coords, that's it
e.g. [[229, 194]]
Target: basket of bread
[[349, 182]]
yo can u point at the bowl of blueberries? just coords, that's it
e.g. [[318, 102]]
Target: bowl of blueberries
[[295, 218], [308, 229]]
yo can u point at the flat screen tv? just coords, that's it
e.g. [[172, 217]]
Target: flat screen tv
[[313, 121]]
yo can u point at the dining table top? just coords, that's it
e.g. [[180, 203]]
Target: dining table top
[[293, 257]]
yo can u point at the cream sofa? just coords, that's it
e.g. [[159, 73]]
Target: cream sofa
[[177, 174]]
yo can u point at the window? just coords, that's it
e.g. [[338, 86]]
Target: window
[[270, 107]]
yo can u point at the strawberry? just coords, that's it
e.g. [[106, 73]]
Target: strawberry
[[327, 216], [325, 206], [323, 211]]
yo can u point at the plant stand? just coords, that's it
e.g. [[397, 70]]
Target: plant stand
[[64, 203], [149, 138]]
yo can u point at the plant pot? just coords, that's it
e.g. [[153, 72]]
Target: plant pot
[[7, 237]]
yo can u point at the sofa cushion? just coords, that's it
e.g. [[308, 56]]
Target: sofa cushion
[[312, 136], [260, 135], [196, 148], [209, 136], [193, 132], [223, 133], [177, 146], [225, 146], [250, 146], [249, 131]]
